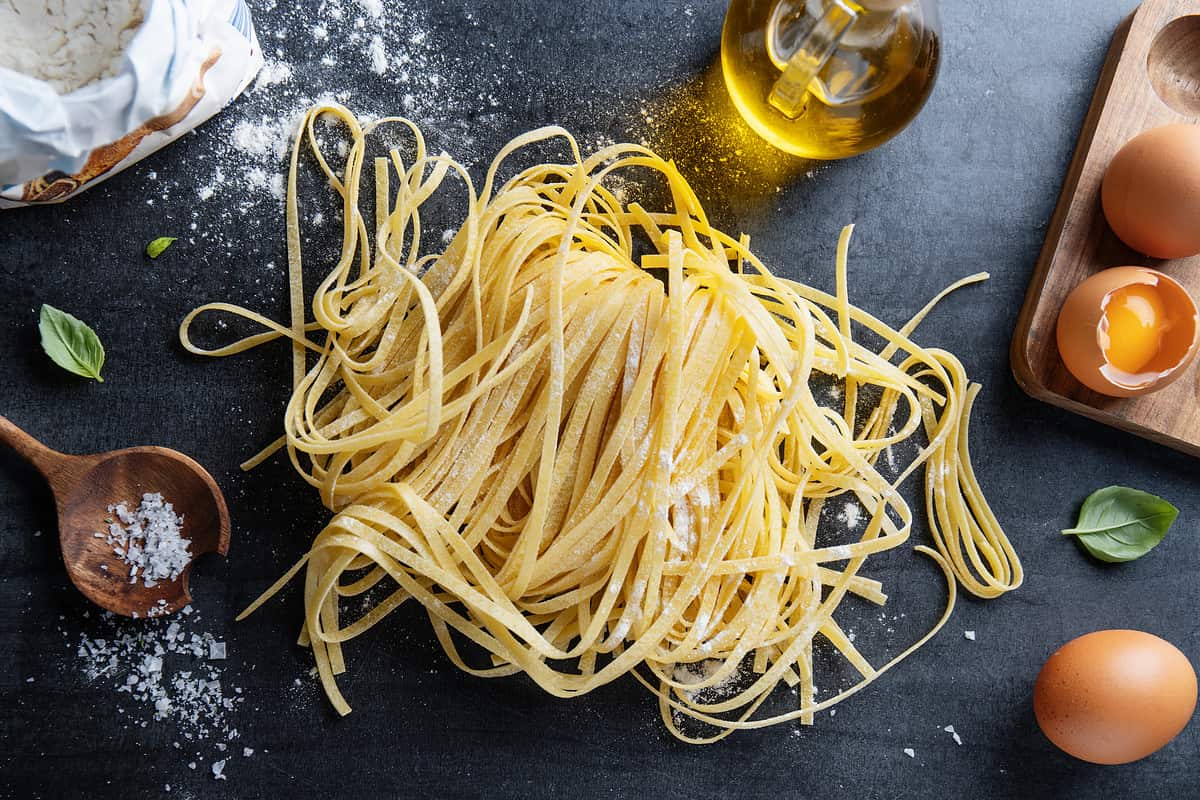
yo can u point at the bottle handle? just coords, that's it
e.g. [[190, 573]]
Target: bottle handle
[[789, 95]]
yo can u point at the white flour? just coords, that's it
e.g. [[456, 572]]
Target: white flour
[[378, 53], [374, 8], [273, 72], [363, 39], [67, 43]]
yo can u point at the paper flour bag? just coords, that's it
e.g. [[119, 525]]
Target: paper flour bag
[[97, 85]]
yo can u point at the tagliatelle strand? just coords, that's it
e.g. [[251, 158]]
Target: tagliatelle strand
[[566, 460]]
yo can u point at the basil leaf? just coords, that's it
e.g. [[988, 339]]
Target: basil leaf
[[155, 248], [70, 343], [1118, 524]]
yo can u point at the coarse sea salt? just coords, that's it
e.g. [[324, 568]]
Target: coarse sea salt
[[172, 672], [149, 539]]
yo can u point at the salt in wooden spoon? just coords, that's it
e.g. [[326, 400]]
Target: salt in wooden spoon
[[85, 486]]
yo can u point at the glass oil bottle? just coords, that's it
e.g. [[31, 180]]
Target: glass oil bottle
[[828, 79]]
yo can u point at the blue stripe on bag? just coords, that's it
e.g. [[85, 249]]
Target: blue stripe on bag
[[241, 20]]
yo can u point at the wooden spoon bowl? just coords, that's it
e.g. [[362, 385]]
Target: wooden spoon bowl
[[85, 486]]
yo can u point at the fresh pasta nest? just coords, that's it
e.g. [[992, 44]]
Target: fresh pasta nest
[[587, 460]]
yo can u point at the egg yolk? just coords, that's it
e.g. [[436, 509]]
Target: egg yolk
[[1137, 320]]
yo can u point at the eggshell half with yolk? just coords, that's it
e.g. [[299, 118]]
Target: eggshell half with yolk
[[1084, 340]]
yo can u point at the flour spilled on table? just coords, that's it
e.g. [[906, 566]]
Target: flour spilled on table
[[393, 58], [334, 45]]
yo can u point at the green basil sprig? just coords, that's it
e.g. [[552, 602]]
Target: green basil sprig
[[70, 343], [1118, 524]]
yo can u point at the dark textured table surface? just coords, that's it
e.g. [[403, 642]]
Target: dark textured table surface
[[970, 186]]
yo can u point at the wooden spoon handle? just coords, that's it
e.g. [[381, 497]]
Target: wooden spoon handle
[[47, 461]]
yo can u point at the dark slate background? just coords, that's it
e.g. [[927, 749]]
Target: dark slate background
[[970, 186]]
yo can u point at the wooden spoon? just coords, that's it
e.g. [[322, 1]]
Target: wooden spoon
[[85, 486]]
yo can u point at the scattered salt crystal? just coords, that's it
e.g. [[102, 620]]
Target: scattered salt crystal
[[908, 751], [950, 730], [247, 752], [969, 635], [218, 770], [162, 666], [216, 651], [29, 680]]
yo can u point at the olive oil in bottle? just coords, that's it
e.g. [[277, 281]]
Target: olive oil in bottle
[[827, 79]]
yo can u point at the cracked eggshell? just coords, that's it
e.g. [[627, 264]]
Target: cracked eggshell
[[1082, 333]]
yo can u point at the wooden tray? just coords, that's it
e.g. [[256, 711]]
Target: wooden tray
[[1151, 78]]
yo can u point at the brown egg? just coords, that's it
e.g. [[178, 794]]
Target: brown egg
[[1112, 697], [1151, 192], [1127, 331]]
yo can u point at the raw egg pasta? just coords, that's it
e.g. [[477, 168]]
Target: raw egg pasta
[[591, 463]]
